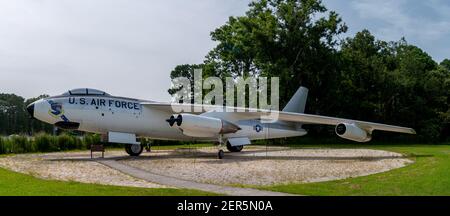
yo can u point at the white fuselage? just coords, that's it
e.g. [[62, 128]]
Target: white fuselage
[[103, 114]]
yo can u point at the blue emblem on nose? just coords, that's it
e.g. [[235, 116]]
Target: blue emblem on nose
[[57, 111], [258, 128], [56, 108]]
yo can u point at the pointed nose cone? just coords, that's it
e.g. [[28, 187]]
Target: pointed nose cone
[[30, 109]]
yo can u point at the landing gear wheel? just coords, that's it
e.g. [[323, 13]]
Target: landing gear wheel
[[234, 148], [134, 150], [127, 149], [220, 154]]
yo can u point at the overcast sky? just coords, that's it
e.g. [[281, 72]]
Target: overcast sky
[[129, 47]]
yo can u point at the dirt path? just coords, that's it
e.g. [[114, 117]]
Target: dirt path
[[180, 183]]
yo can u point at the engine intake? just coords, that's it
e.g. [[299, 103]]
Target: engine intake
[[352, 132], [201, 126]]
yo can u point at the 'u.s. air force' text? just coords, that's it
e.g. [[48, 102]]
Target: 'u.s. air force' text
[[105, 103]]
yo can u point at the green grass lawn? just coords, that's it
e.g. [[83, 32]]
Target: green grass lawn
[[428, 176], [16, 184]]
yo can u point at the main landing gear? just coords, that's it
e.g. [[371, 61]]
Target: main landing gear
[[220, 146], [133, 149], [220, 153]]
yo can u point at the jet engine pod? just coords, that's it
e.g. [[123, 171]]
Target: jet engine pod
[[201, 126], [352, 132]]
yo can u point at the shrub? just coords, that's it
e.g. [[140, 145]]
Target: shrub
[[65, 142], [54, 146], [90, 139], [7, 148], [21, 144], [79, 143], [43, 142]]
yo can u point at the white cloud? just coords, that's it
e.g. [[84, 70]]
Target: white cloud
[[398, 22]]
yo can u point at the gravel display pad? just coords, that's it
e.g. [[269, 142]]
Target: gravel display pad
[[261, 166], [71, 166]]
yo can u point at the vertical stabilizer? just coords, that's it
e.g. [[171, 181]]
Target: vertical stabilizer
[[298, 101]]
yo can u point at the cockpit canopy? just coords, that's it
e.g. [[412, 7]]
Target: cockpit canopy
[[85, 91]]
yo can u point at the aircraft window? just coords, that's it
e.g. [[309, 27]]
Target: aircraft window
[[81, 91], [85, 91], [96, 92]]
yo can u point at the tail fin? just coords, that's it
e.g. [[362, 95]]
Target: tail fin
[[298, 101]]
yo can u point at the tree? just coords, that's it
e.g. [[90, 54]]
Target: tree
[[446, 64], [281, 38], [13, 116], [186, 71], [363, 77], [393, 82]]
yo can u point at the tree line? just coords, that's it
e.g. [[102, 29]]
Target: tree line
[[14, 118], [359, 77]]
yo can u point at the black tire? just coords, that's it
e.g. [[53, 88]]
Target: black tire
[[134, 150], [220, 154], [234, 148], [127, 149]]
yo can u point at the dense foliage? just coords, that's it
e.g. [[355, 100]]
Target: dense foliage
[[14, 118], [358, 77], [45, 143]]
